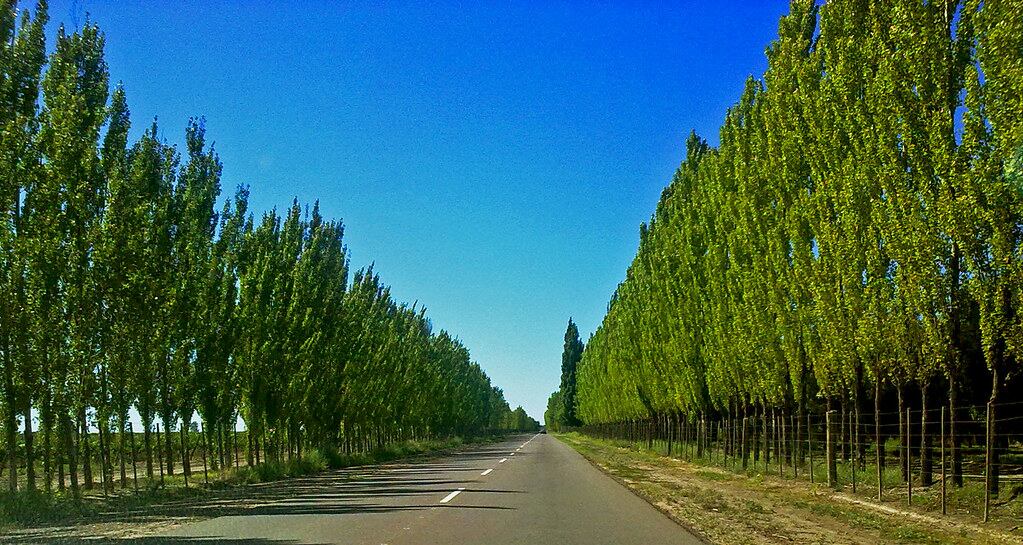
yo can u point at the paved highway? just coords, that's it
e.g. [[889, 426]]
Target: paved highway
[[527, 489]]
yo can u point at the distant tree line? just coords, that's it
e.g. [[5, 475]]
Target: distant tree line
[[124, 284], [853, 242]]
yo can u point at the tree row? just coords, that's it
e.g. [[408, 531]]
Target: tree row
[[128, 285], [853, 240]]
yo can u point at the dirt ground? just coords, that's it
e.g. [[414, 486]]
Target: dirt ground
[[729, 508]]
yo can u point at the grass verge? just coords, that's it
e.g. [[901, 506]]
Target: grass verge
[[726, 507]]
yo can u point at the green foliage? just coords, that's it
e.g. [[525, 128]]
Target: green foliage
[[126, 281], [570, 356], [842, 231]]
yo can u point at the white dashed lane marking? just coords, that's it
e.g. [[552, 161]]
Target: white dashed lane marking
[[487, 472], [452, 495]]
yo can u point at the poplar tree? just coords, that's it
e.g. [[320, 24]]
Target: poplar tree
[[572, 352]]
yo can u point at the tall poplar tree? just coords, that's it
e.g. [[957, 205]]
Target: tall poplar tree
[[570, 356]]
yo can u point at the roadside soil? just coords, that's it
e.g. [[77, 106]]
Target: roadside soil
[[725, 507]]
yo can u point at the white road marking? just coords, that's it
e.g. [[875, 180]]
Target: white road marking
[[451, 496], [503, 460], [487, 472], [512, 454]]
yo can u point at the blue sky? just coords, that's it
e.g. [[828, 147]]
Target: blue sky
[[494, 159]]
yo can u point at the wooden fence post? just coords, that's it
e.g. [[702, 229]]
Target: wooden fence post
[[830, 449]]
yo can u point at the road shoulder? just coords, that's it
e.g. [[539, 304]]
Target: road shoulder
[[727, 508]]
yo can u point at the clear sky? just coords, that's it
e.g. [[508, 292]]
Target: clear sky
[[494, 159]]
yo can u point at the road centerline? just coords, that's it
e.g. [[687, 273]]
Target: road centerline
[[452, 495]]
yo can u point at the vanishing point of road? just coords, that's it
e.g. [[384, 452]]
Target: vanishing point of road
[[525, 489]]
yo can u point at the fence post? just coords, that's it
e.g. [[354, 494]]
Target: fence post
[[830, 449], [987, 465], [909, 459], [943, 460], [809, 444]]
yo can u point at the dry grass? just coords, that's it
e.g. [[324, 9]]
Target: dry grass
[[726, 507]]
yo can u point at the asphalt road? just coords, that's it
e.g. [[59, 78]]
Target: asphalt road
[[527, 489]]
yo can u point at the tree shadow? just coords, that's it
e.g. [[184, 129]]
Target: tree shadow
[[349, 491]]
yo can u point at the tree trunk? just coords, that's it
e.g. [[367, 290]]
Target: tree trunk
[[186, 469], [992, 481], [955, 356], [122, 448], [47, 451], [926, 441], [830, 451], [168, 443], [903, 468], [858, 445], [744, 443], [83, 422], [72, 453], [843, 437], [11, 418], [149, 451], [755, 424], [670, 418], [878, 443], [186, 464], [30, 458], [954, 451]]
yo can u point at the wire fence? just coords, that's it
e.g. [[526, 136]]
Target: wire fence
[[968, 465]]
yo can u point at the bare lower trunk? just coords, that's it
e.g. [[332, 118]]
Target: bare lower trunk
[[147, 439], [954, 451], [86, 448], [72, 451], [926, 442], [12, 442], [993, 443], [902, 436], [168, 443], [30, 458], [878, 443], [122, 448]]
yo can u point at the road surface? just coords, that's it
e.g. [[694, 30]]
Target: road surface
[[527, 489]]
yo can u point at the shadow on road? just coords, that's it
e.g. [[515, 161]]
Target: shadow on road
[[348, 491]]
